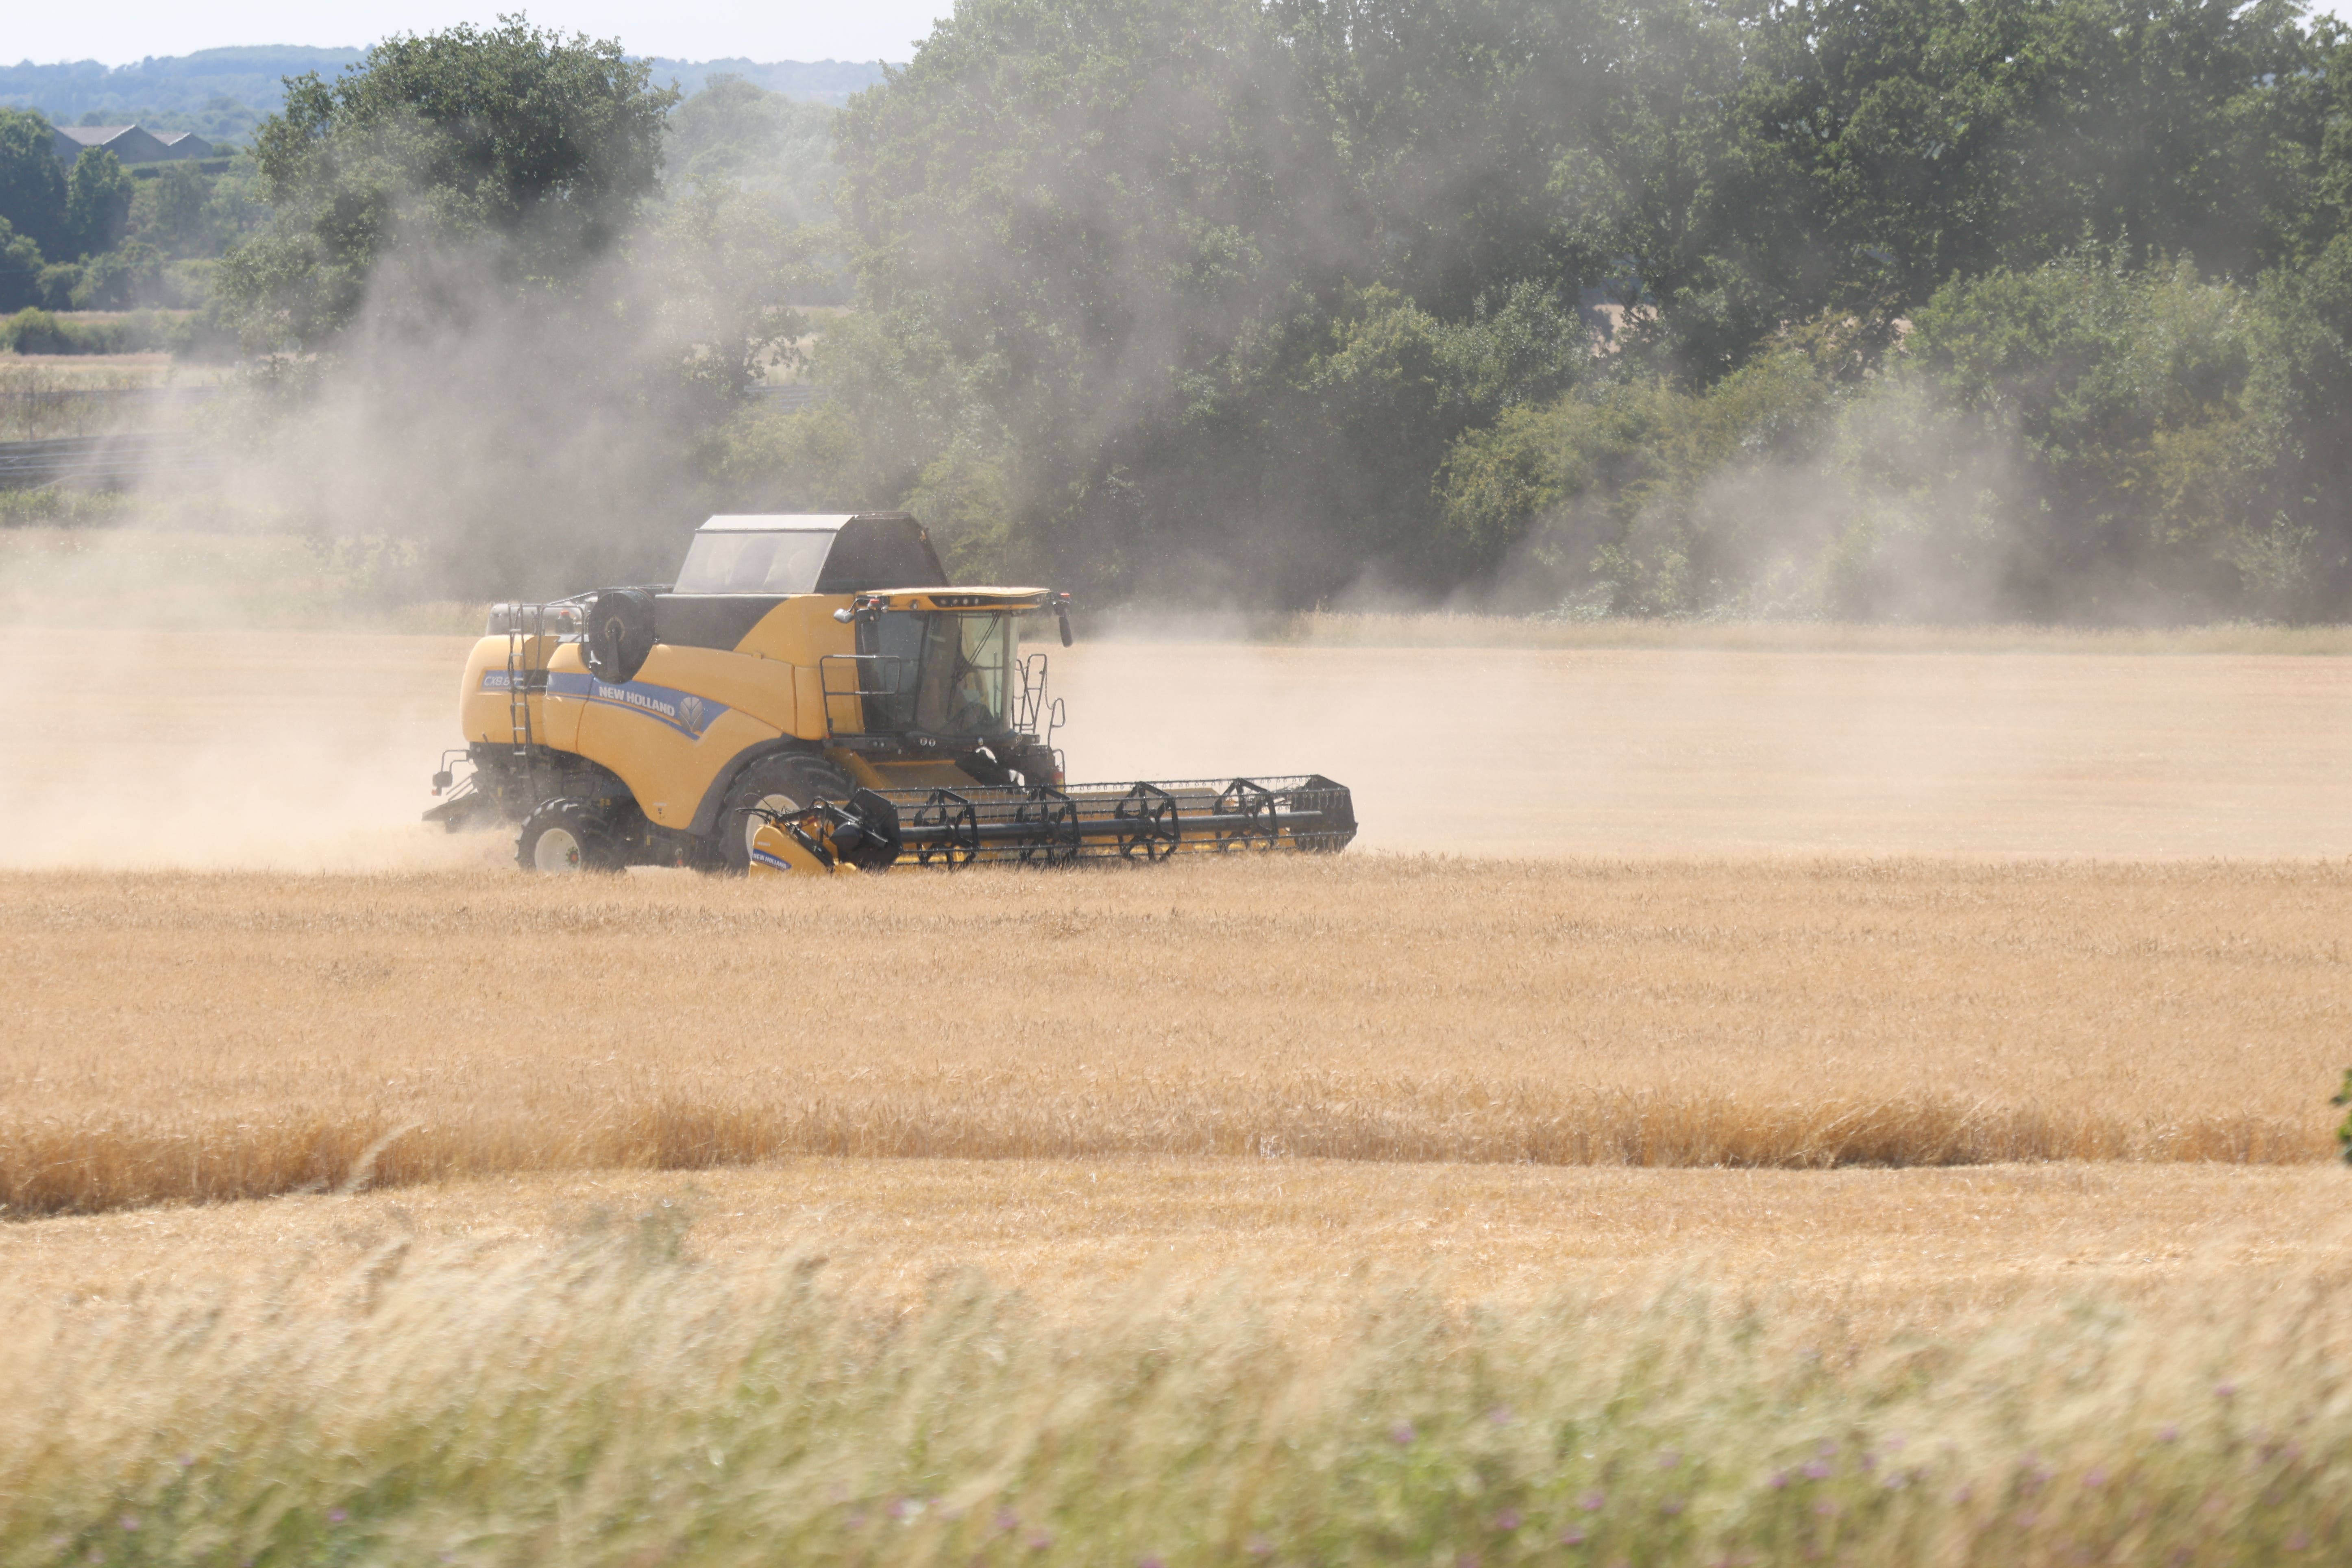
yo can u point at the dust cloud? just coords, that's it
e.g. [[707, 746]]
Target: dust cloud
[[311, 750], [1701, 752], [227, 750]]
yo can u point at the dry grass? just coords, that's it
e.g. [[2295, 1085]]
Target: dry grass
[[616, 1398], [239, 1035]]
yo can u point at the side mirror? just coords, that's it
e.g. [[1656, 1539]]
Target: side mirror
[[844, 616], [1062, 614]]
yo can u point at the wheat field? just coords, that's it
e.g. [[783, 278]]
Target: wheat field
[[182, 1036], [1806, 1098]]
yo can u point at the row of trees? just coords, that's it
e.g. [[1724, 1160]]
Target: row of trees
[[1945, 308], [2001, 307]]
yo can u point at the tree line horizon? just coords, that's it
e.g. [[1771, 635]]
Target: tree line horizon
[[2030, 310]]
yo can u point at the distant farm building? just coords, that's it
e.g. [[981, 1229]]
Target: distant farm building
[[130, 143]]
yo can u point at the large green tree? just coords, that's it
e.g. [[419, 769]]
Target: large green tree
[[32, 184], [527, 154], [98, 203]]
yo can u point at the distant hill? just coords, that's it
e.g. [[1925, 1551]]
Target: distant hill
[[221, 93], [217, 93]]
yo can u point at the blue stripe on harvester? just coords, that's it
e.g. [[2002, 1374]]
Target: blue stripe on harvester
[[684, 711]]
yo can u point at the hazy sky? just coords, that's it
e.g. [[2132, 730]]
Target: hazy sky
[[120, 31]]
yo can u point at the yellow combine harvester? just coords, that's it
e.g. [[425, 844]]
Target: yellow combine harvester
[[813, 695]]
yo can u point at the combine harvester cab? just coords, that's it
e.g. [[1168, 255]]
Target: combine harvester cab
[[813, 695]]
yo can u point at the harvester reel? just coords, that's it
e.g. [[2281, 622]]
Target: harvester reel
[[1260, 819], [1053, 818], [1156, 831], [948, 829]]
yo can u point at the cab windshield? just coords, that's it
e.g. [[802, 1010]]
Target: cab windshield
[[940, 673]]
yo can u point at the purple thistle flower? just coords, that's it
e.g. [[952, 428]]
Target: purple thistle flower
[[2225, 1390], [1777, 1480], [2095, 1477], [1007, 1521], [1259, 1546], [1817, 1470], [901, 1508], [1151, 1561], [2170, 1434], [1508, 1521], [1826, 1448], [1962, 1497], [1500, 1415], [1671, 1507], [1402, 1434], [1825, 1509], [1467, 1559], [1573, 1536], [336, 1516], [1669, 1459], [1593, 1500], [2299, 1541], [1042, 1540], [130, 1521], [856, 1520]]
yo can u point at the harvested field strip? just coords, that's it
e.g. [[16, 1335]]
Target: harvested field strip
[[210, 1038], [1884, 1251]]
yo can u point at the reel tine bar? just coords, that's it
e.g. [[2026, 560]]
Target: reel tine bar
[[1054, 818], [1260, 827], [946, 825], [1158, 830], [1047, 826]]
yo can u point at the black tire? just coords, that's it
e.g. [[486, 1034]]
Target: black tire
[[566, 837], [792, 782], [620, 633]]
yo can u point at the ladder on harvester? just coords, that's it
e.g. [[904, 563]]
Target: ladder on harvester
[[526, 672]]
